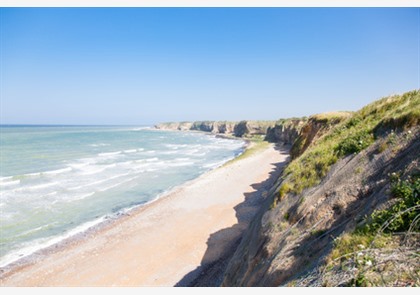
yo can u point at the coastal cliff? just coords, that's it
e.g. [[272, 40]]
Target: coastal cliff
[[237, 129], [345, 209]]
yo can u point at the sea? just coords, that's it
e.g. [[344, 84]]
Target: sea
[[59, 181]]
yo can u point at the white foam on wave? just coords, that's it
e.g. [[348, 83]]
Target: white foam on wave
[[86, 177], [130, 151], [33, 230], [181, 159], [48, 172], [117, 184], [150, 152], [97, 182], [32, 174], [99, 144], [133, 151], [58, 171], [39, 244], [9, 183], [36, 187], [5, 178], [79, 165], [152, 159], [141, 128], [89, 170], [147, 160], [176, 146], [170, 153], [82, 196], [51, 194], [180, 164], [109, 154]]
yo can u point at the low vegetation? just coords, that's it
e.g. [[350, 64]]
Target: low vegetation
[[351, 136], [384, 251]]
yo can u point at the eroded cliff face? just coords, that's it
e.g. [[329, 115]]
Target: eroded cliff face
[[285, 131], [311, 130], [293, 238], [181, 126], [237, 129], [300, 133], [338, 175]]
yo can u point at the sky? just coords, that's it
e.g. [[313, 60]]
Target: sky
[[142, 66]]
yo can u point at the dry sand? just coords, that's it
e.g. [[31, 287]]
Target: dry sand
[[166, 242]]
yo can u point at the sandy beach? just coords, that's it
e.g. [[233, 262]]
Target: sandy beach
[[166, 243]]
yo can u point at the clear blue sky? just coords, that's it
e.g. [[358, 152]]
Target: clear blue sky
[[149, 65]]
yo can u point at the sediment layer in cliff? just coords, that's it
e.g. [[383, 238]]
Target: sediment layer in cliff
[[338, 179]]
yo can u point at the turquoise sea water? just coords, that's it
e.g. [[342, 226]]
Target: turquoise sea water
[[56, 182]]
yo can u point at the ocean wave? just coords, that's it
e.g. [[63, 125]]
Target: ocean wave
[[39, 244], [51, 194], [40, 186], [180, 164], [80, 165], [130, 151], [89, 170], [105, 178], [41, 173], [58, 171], [32, 187], [140, 128], [99, 144], [31, 231], [150, 152], [82, 196], [3, 178], [175, 146], [109, 154], [181, 159], [9, 183], [117, 184], [170, 152], [147, 160], [97, 182]]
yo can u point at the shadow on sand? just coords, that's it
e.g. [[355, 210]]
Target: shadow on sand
[[222, 244]]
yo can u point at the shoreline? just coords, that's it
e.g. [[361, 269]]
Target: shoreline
[[69, 237], [46, 267]]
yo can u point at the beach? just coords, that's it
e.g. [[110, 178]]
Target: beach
[[169, 242]]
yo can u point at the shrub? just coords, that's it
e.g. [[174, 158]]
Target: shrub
[[284, 189], [354, 143], [400, 216]]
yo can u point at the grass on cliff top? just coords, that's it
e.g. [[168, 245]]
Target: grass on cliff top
[[351, 136], [331, 117], [290, 121]]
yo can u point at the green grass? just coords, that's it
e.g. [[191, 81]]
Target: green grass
[[351, 136], [323, 123], [403, 213], [331, 117], [361, 247]]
